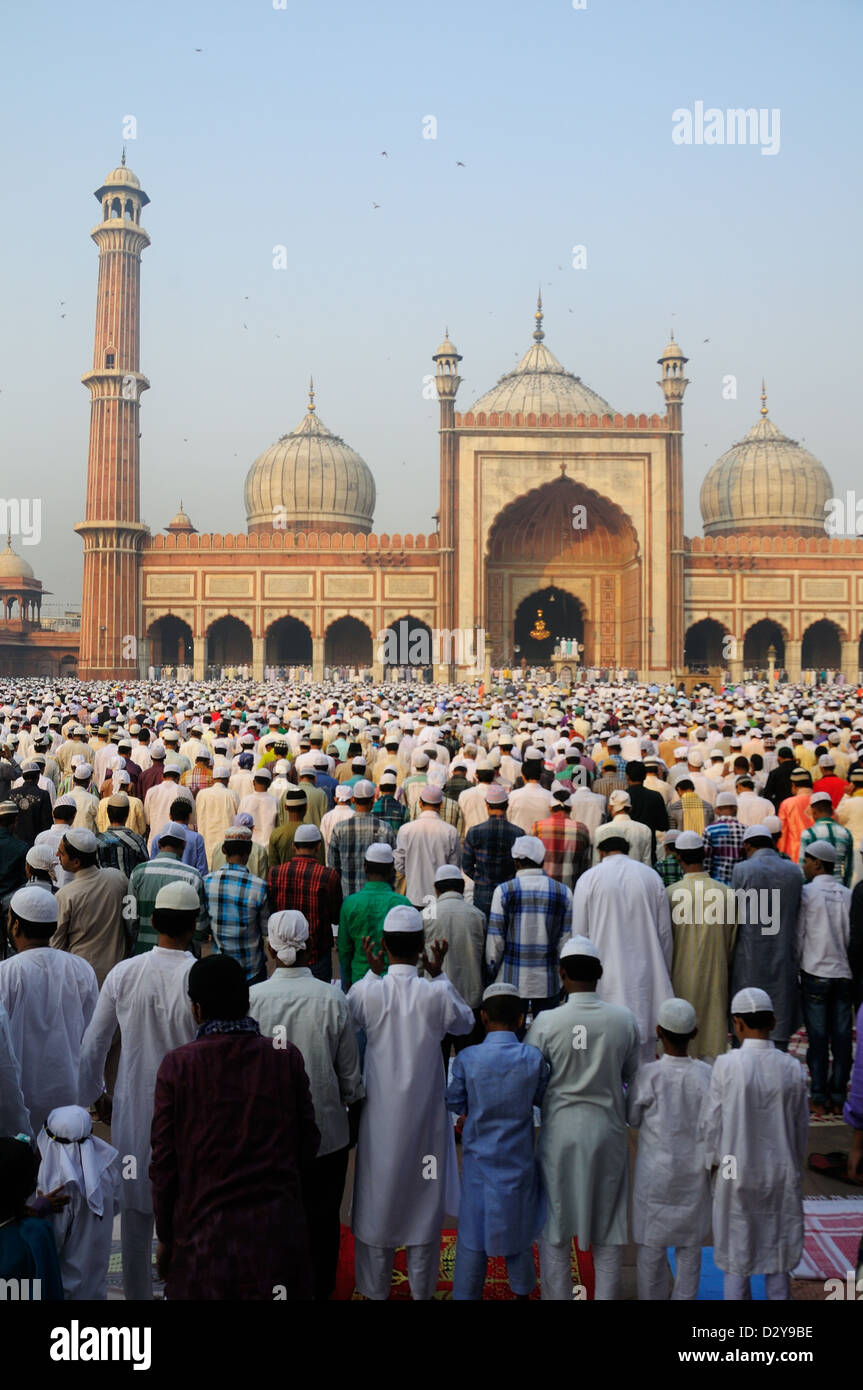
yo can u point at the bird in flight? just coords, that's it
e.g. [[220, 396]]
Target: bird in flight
[[375, 205], [707, 340], [245, 325], [62, 316], [199, 50], [384, 154], [460, 165]]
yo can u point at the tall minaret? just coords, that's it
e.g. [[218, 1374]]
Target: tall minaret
[[447, 381], [112, 531], [674, 384]]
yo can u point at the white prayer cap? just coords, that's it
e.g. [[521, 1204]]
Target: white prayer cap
[[431, 795], [619, 798], [239, 833], [307, 835], [222, 771], [826, 760], [280, 767], [364, 790], [677, 1016], [379, 853], [41, 857], [178, 896], [403, 919], [773, 824], [34, 905], [494, 991], [680, 752], [751, 1001], [529, 847], [81, 839], [823, 850], [688, 839], [287, 933], [420, 760], [671, 837], [820, 796], [496, 795], [157, 749], [262, 774], [343, 792], [83, 772], [30, 767], [580, 946], [173, 831], [756, 832], [532, 754], [64, 801], [358, 761], [726, 799], [696, 758], [448, 873]]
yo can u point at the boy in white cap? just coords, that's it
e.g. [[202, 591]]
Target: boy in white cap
[[496, 1086], [406, 1172], [827, 828], [88, 1171], [754, 1125], [147, 998], [593, 1051], [49, 997], [671, 1191], [826, 985]]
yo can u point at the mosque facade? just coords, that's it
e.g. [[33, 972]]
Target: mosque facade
[[561, 517]]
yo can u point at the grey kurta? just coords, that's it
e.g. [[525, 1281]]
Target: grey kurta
[[767, 959], [582, 1142]]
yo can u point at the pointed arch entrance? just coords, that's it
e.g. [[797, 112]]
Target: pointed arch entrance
[[566, 538], [544, 619]]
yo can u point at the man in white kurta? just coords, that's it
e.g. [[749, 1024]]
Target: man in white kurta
[[406, 1179], [592, 1049], [148, 999], [622, 906], [671, 1191], [639, 837], [423, 845], [158, 801], [49, 997], [754, 1125], [261, 806], [14, 1116], [215, 809]]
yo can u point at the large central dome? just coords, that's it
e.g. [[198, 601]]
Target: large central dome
[[310, 480], [540, 385]]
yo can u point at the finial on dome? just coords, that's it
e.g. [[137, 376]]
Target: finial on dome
[[538, 333], [763, 397], [123, 157], [672, 335], [311, 395]]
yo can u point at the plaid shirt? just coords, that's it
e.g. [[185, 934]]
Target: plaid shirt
[[144, 886], [197, 777], [237, 904], [530, 918], [567, 847], [391, 810], [829, 829], [669, 870], [120, 848], [306, 886], [606, 784], [348, 845], [487, 857], [724, 841]]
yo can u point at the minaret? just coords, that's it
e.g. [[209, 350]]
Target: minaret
[[674, 384], [447, 382], [112, 531]]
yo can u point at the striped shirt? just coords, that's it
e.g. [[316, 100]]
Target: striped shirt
[[144, 886], [237, 905], [829, 829], [531, 917], [724, 847], [120, 848]]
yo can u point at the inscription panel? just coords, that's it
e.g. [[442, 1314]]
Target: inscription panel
[[288, 585], [170, 585]]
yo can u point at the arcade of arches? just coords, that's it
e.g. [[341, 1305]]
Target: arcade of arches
[[565, 540]]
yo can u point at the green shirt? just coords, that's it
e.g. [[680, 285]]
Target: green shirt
[[362, 915]]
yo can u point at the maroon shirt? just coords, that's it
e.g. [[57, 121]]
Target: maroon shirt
[[151, 777], [233, 1131]]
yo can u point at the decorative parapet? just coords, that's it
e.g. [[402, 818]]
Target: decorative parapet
[[293, 542], [506, 420], [773, 545]]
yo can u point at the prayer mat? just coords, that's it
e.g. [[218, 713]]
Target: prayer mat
[[115, 1273], [833, 1228], [496, 1282], [711, 1284]]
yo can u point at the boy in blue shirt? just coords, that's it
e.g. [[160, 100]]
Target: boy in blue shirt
[[502, 1209]]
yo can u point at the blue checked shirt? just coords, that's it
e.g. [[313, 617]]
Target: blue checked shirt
[[237, 903], [350, 840], [487, 857], [724, 848], [531, 917], [828, 829]]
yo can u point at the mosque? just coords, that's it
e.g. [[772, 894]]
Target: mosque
[[561, 517]]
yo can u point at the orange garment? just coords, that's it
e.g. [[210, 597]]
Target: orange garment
[[796, 817]]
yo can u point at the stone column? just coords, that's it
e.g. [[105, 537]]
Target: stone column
[[258, 648], [735, 669], [793, 653], [199, 657], [145, 649], [317, 658], [850, 662]]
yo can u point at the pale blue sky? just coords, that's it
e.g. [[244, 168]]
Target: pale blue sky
[[273, 133]]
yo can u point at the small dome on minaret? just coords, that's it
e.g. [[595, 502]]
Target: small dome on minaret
[[182, 523], [11, 564]]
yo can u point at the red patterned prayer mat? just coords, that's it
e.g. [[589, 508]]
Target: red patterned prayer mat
[[833, 1230], [496, 1282]]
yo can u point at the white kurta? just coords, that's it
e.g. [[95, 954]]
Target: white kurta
[[754, 1125], [421, 847], [527, 805], [148, 998], [636, 835], [263, 809], [84, 1239], [215, 809], [406, 1178], [157, 805], [671, 1192], [582, 1141], [50, 997], [623, 907], [14, 1116]]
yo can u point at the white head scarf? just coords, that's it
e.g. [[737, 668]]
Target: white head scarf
[[78, 1162], [287, 933]]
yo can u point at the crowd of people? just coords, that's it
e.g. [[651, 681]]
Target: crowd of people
[[251, 930]]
